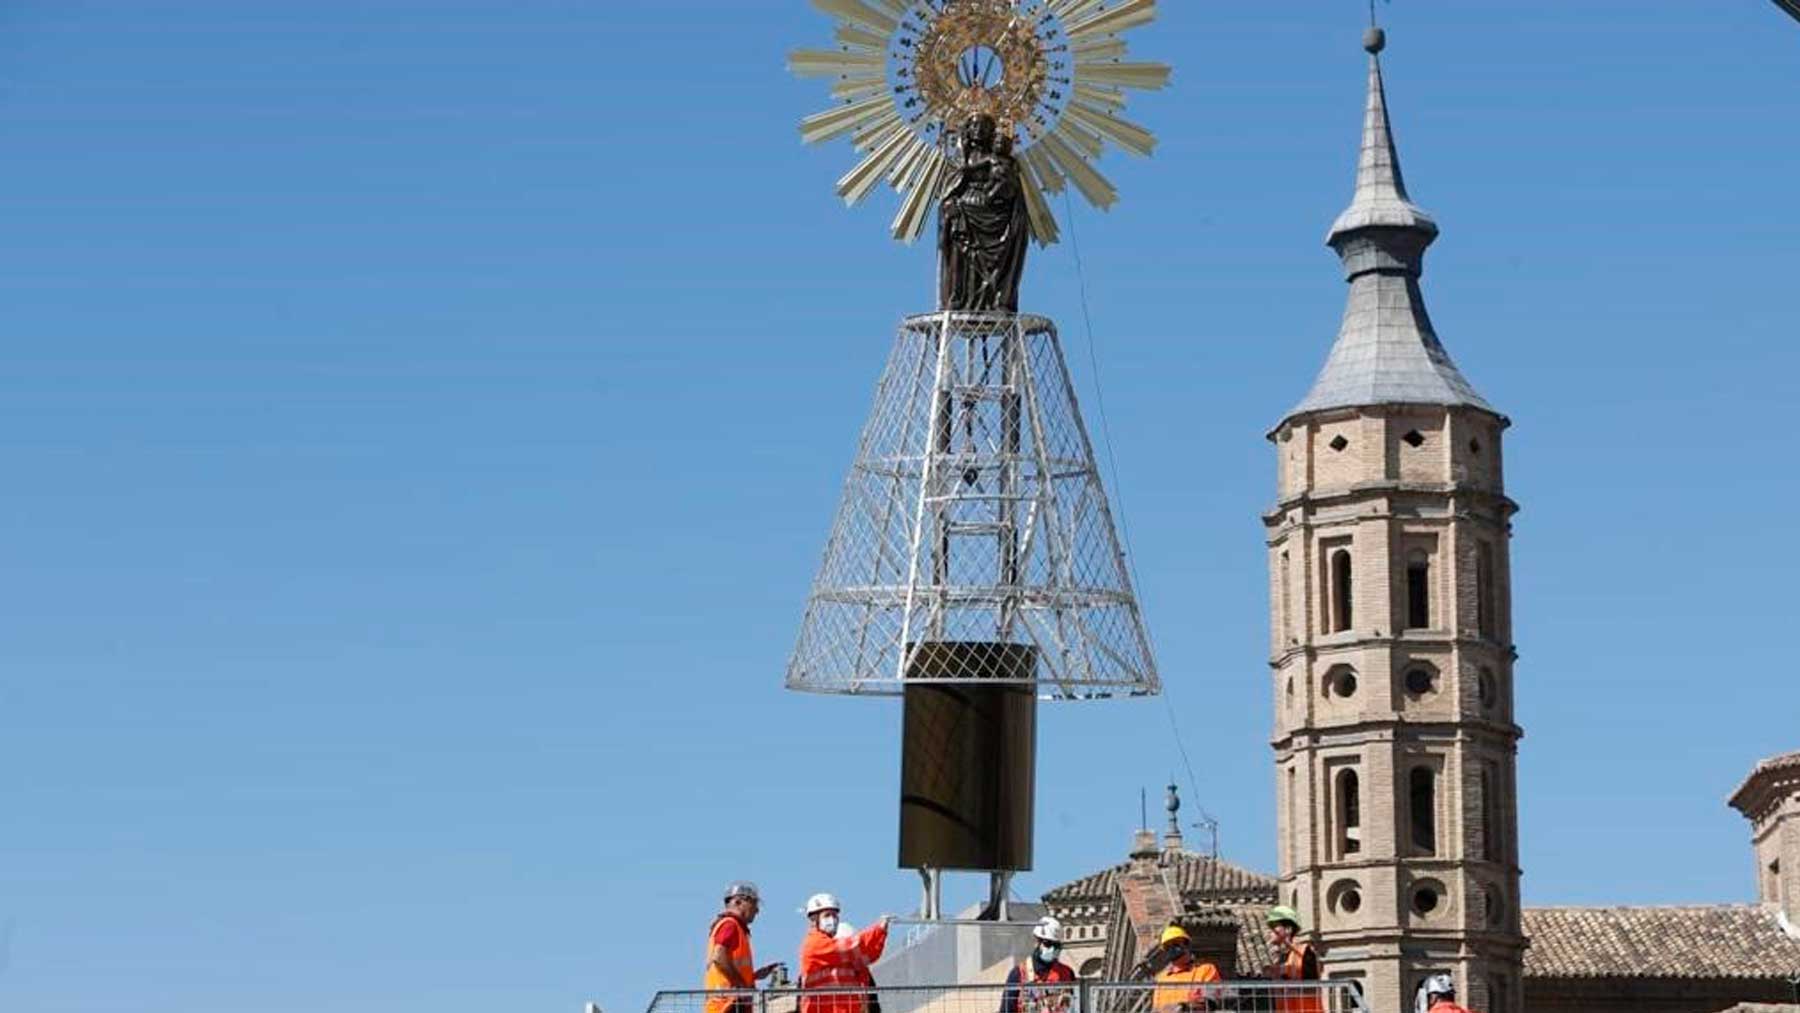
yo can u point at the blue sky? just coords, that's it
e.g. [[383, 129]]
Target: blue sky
[[421, 421]]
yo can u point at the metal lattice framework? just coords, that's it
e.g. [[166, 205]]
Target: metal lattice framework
[[1052, 73], [974, 516]]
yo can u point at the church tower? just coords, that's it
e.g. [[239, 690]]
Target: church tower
[[1392, 649]]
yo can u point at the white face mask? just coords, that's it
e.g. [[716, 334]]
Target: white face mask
[[828, 924], [1048, 952]]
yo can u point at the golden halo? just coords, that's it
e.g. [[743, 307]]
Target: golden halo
[[1052, 73], [981, 57]]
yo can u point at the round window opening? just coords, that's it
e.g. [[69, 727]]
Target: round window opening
[[1425, 900], [1345, 898], [1341, 683], [1420, 681]]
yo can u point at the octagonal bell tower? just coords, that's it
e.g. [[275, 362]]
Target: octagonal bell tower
[[1392, 652]]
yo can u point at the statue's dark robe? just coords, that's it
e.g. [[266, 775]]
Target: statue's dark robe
[[983, 233]]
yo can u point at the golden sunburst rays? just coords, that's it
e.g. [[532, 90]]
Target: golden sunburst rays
[[1054, 73]]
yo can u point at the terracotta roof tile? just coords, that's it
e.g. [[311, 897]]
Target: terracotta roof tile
[[1198, 877], [1716, 941]]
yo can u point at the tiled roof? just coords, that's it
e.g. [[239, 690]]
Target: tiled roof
[[1715, 941], [1783, 764], [1198, 876]]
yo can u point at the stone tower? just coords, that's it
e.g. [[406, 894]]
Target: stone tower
[[1770, 800], [1392, 646]]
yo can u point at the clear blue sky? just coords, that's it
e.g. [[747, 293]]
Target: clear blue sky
[[421, 421]]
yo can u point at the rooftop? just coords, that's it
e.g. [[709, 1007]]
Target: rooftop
[[1194, 876], [1735, 941]]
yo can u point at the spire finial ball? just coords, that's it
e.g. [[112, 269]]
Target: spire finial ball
[[1374, 40]]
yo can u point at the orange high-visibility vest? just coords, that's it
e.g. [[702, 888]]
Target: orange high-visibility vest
[[1294, 969], [741, 962], [1022, 999], [827, 962], [1174, 988]]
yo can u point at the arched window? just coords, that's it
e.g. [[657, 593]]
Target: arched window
[[1341, 591], [1287, 604], [1486, 617], [1418, 591], [1489, 830], [1348, 813], [1424, 810]]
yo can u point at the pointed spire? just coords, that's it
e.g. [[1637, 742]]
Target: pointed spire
[[1381, 199], [1386, 351]]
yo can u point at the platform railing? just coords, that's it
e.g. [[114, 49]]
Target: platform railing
[[1074, 997]]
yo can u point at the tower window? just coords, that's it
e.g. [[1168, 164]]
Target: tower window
[[1287, 603], [1341, 591], [1488, 689], [1339, 444], [1421, 681], [1424, 810], [1491, 816], [1349, 813], [1414, 439], [1425, 900], [1418, 591], [1485, 619], [1293, 820], [1341, 682]]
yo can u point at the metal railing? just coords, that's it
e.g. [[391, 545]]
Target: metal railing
[[1075, 997]]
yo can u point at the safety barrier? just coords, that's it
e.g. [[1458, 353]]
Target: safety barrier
[[1075, 997]]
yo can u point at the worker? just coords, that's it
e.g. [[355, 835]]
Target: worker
[[729, 964], [826, 961], [1438, 995], [848, 931], [1180, 984], [1294, 961], [1026, 983]]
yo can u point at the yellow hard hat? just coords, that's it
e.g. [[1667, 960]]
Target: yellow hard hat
[[1173, 933], [1278, 915]]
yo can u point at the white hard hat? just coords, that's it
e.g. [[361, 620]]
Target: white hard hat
[[822, 902], [1437, 984], [1049, 930]]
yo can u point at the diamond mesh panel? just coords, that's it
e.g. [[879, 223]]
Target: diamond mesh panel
[[974, 514]]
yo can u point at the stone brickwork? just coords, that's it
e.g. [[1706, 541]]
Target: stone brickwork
[[1391, 633], [1770, 800]]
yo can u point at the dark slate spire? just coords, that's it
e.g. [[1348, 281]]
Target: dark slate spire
[[1386, 351]]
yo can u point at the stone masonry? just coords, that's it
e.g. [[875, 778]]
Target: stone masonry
[[1391, 630]]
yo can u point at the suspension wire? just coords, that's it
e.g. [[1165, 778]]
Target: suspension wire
[[1112, 463]]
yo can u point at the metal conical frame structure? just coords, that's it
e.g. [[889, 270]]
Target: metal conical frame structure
[[974, 515]]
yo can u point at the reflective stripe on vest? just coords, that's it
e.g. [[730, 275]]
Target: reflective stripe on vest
[[741, 960]]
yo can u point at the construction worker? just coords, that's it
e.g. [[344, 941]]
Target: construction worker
[[1025, 983], [1438, 995], [848, 931], [729, 964], [827, 961], [1294, 961], [1180, 984]]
